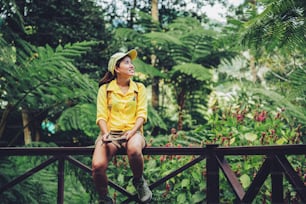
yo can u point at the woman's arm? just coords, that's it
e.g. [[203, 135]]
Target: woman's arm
[[102, 126], [138, 124]]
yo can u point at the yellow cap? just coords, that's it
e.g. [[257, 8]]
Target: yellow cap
[[119, 55]]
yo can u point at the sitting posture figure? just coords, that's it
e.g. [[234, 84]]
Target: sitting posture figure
[[121, 113]]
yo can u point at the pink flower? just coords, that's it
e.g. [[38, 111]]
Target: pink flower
[[240, 117], [261, 117]]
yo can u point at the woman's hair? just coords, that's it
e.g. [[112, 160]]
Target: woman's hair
[[108, 76]]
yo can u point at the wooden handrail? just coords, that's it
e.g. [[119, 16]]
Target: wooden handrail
[[36, 151], [275, 164], [299, 149]]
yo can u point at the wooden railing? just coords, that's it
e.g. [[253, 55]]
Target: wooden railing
[[275, 164]]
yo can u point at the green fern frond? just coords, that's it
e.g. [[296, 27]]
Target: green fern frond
[[281, 24], [197, 71], [126, 38], [154, 119], [42, 77], [199, 43], [181, 26], [80, 117], [158, 38], [147, 69], [235, 68]]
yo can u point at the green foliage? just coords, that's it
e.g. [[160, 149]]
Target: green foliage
[[281, 101], [146, 70], [42, 77], [79, 117], [241, 111], [243, 121], [281, 24], [195, 71], [154, 120]]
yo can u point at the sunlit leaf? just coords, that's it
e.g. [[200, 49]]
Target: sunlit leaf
[[245, 180]]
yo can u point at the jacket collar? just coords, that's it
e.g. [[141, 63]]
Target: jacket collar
[[113, 86]]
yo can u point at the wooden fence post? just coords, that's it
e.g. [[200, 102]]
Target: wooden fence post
[[212, 185], [277, 181], [60, 184]]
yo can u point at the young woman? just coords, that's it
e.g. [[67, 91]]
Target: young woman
[[121, 113]]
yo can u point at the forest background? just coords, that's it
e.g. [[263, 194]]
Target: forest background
[[240, 81]]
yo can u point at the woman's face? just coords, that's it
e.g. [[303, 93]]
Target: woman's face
[[125, 68]]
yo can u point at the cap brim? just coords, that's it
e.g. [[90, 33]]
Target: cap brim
[[132, 54]]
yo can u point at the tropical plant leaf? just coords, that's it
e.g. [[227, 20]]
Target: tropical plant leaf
[[281, 24], [80, 117], [146, 69], [197, 71]]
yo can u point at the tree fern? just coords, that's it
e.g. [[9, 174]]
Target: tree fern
[[147, 70], [44, 79], [200, 42], [127, 38], [196, 71], [181, 26], [281, 24], [80, 117], [47, 73]]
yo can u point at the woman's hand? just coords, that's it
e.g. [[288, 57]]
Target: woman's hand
[[104, 137], [129, 134]]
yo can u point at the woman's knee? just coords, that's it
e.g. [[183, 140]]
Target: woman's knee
[[134, 152], [98, 166]]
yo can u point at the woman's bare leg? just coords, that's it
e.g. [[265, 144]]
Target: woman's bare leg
[[103, 153], [134, 151]]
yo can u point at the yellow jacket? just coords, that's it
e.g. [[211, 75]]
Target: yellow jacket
[[119, 110]]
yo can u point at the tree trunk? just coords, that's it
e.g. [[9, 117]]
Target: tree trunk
[[155, 83], [26, 128], [154, 11], [181, 103], [4, 117]]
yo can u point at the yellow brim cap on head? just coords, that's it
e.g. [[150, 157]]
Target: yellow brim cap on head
[[119, 55]]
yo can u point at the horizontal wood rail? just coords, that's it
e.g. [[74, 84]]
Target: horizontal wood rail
[[275, 164]]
